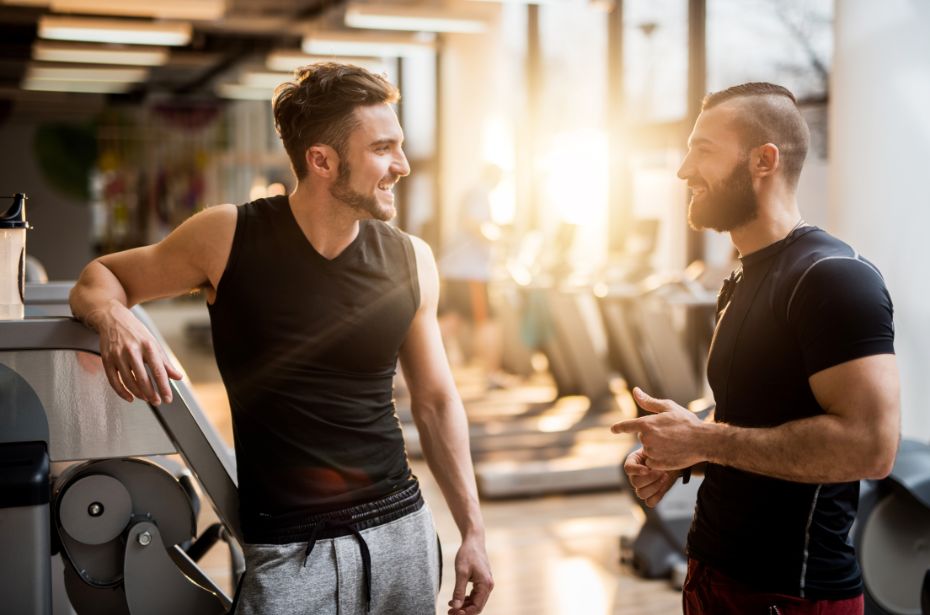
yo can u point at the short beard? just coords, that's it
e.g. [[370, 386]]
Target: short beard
[[729, 205], [366, 204]]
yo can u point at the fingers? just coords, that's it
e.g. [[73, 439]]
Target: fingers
[[158, 365], [115, 381], [474, 602], [654, 488], [124, 368], [629, 426], [647, 403], [141, 372], [478, 598], [645, 481], [635, 464], [458, 593], [173, 372]]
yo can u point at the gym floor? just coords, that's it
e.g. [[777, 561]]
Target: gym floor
[[555, 555]]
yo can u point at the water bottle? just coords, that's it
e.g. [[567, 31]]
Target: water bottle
[[13, 227]]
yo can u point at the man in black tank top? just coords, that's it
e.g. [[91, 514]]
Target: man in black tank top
[[803, 373], [313, 298]]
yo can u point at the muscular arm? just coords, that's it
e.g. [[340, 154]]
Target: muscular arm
[[193, 256], [440, 419], [855, 438]]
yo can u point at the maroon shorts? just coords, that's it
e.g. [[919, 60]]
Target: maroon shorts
[[708, 591]]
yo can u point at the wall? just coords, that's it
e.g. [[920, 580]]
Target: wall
[[880, 162], [62, 224]]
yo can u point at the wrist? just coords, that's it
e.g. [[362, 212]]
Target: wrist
[[707, 441], [473, 532], [97, 317]]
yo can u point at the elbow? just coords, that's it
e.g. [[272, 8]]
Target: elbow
[[428, 406], [881, 467], [881, 459]]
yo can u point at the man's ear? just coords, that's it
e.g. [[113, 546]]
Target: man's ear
[[322, 161], [764, 160]]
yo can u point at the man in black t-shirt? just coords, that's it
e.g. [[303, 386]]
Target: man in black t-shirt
[[803, 373]]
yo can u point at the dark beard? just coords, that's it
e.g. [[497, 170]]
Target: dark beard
[[366, 204], [727, 206]]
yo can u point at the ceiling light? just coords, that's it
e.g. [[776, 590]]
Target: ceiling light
[[99, 54], [413, 18], [264, 79], [26, 2], [53, 72], [93, 87], [292, 60], [114, 31], [238, 91], [163, 9], [367, 45]]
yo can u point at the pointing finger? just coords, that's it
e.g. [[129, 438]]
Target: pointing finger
[[629, 426]]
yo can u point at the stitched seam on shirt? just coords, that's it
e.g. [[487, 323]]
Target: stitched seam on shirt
[[797, 285], [807, 538]]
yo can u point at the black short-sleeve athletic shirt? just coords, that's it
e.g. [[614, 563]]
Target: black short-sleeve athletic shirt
[[307, 348], [801, 305]]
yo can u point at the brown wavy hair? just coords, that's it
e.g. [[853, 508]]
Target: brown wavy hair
[[318, 107]]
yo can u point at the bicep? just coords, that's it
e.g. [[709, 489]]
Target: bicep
[[192, 256], [864, 391], [422, 354]]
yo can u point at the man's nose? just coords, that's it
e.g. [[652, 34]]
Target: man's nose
[[684, 171], [401, 166]]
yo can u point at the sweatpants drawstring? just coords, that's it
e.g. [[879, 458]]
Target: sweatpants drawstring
[[362, 547]]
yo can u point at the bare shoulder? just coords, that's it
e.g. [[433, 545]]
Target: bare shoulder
[[205, 240], [426, 272], [421, 248], [207, 230], [215, 221]]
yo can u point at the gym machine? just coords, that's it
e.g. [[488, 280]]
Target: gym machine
[[892, 535], [98, 496]]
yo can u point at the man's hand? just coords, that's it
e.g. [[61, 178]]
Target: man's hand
[[670, 436], [135, 364], [650, 485], [471, 565]]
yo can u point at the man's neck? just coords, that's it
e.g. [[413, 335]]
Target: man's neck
[[775, 221], [329, 225]]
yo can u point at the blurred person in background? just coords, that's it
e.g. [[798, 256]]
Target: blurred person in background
[[312, 299], [466, 268], [803, 372]]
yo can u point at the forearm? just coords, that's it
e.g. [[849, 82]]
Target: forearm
[[819, 449], [97, 290], [444, 437]]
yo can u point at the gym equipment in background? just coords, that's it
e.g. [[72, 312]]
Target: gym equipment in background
[[99, 496], [892, 535]]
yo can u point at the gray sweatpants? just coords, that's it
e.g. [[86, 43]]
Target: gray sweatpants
[[405, 572]]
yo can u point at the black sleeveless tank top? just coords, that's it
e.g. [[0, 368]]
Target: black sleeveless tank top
[[307, 348]]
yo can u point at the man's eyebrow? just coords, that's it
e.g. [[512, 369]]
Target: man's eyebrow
[[699, 141], [385, 141]]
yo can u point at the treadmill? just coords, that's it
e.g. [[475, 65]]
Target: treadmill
[[564, 445]]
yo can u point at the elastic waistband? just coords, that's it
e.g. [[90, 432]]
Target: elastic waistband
[[300, 527]]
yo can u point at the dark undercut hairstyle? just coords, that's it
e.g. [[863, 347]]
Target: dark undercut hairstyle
[[769, 113], [318, 107]]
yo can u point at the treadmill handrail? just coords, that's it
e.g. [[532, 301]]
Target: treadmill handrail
[[182, 419]]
